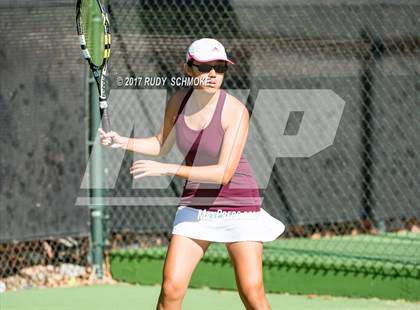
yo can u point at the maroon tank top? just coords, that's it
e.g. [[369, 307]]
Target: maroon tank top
[[201, 148]]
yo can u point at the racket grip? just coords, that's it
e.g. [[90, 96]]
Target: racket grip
[[106, 124]]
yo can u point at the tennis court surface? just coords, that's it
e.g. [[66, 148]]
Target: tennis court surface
[[130, 297]]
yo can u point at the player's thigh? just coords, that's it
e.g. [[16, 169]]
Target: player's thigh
[[246, 258], [181, 259]]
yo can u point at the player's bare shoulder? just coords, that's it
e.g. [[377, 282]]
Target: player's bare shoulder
[[232, 109]]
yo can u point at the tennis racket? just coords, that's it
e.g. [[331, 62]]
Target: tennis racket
[[95, 41]]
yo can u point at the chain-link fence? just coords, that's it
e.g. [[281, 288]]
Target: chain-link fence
[[44, 238], [366, 52]]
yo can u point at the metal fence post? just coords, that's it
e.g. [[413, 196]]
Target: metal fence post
[[96, 191]]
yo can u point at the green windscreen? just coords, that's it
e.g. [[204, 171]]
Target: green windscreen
[[93, 29]]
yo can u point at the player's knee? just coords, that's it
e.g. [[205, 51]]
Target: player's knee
[[172, 289], [253, 292]]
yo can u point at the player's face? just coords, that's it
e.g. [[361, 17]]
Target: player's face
[[211, 73]]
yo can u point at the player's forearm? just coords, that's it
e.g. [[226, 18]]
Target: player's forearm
[[147, 146], [208, 174]]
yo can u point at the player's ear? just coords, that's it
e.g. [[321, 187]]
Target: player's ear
[[187, 69]]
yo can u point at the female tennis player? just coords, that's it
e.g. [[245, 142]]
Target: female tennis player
[[220, 201]]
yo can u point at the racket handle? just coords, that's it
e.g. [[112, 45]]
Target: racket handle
[[106, 124]]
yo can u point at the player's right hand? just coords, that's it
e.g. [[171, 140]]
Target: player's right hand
[[112, 139]]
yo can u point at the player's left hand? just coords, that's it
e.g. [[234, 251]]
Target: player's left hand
[[142, 168]]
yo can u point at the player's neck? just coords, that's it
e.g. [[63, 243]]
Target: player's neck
[[201, 98]]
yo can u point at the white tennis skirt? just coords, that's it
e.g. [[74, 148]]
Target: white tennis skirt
[[223, 226]]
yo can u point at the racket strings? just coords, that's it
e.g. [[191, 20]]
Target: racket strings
[[93, 39]]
